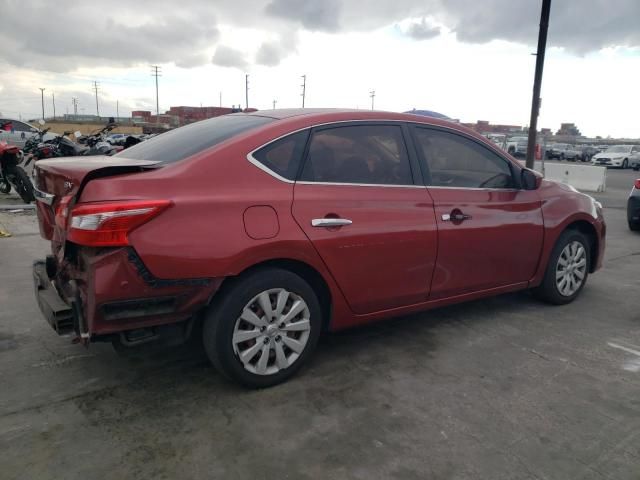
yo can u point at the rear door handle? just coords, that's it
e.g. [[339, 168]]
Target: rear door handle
[[330, 222]]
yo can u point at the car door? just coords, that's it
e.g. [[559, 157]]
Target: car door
[[490, 232], [371, 223], [21, 132]]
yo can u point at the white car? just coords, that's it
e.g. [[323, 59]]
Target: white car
[[621, 156], [19, 132]]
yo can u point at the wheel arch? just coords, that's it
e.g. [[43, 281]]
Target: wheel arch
[[304, 270], [590, 232]]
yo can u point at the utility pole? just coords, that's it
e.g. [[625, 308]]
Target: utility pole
[[220, 98], [96, 87], [74, 101], [155, 72], [117, 109], [372, 94], [42, 96], [274, 103], [53, 96], [537, 82], [246, 90], [304, 88]]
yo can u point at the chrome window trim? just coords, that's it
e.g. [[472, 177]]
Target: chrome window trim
[[431, 187], [338, 184]]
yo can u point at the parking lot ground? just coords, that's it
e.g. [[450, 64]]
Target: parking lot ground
[[504, 388]]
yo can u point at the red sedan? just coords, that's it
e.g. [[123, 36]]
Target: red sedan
[[268, 228]]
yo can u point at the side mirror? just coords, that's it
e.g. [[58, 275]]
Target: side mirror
[[530, 179]]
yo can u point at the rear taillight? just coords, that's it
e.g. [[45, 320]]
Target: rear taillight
[[108, 224], [62, 211], [637, 184]]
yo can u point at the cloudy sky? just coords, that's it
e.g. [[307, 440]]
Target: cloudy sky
[[469, 59]]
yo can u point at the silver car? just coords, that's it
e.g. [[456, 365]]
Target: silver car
[[19, 132]]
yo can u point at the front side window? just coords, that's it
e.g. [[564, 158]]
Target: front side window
[[362, 154], [21, 127], [455, 161], [284, 155]]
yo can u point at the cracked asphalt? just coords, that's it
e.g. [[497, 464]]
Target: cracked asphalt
[[504, 388]]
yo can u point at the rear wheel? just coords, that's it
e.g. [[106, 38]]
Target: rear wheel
[[23, 185], [263, 328], [567, 270]]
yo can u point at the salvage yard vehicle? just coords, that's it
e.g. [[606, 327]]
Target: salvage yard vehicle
[[12, 173], [633, 207], [621, 156], [563, 151], [267, 228]]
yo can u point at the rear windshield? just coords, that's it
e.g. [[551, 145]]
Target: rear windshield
[[185, 141]]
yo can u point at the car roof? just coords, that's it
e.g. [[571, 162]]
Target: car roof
[[316, 116]]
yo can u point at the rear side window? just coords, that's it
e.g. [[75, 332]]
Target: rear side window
[[284, 155], [363, 154], [455, 161], [185, 141]]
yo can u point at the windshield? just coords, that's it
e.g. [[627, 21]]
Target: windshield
[[619, 149], [186, 141]]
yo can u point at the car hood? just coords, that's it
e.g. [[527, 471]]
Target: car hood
[[610, 155]]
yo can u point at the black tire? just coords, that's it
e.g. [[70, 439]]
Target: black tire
[[636, 167], [548, 290], [625, 164], [23, 185], [634, 227], [220, 321], [5, 187], [561, 157]]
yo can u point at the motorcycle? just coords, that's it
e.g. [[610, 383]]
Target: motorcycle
[[97, 143], [12, 174]]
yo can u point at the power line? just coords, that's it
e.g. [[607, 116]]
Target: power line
[[42, 96], [304, 88], [96, 87], [372, 94], [156, 72]]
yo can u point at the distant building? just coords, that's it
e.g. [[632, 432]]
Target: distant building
[[483, 126], [569, 130], [183, 115]]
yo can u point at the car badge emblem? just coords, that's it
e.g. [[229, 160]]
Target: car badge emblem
[[68, 185]]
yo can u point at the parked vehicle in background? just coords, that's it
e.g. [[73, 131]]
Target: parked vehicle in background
[[633, 207], [587, 152], [500, 139], [275, 225], [12, 174], [563, 151], [517, 146], [17, 132], [621, 156]]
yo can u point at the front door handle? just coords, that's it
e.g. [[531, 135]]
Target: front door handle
[[455, 216], [330, 222]]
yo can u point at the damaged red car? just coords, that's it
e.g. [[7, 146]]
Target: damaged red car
[[259, 231]]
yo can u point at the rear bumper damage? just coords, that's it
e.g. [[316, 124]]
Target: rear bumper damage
[[104, 293]]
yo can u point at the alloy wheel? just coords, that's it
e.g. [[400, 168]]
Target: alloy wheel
[[272, 331], [571, 268]]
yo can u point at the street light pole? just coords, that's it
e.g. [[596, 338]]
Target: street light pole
[[537, 82], [42, 96]]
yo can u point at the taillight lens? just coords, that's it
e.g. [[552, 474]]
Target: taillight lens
[[62, 211], [637, 184], [108, 224]]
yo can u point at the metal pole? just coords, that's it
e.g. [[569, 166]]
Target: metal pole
[[304, 88], [53, 96], [372, 94], [274, 103], [537, 82], [246, 90], [42, 95], [220, 98]]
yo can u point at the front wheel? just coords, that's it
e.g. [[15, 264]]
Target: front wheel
[[567, 270], [625, 164], [263, 328]]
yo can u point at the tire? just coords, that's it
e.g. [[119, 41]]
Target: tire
[[634, 227], [625, 164], [636, 167], [225, 321], [23, 185], [561, 158], [549, 290], [5, 187]]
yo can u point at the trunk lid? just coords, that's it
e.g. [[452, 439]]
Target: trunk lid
[[61, 179]]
